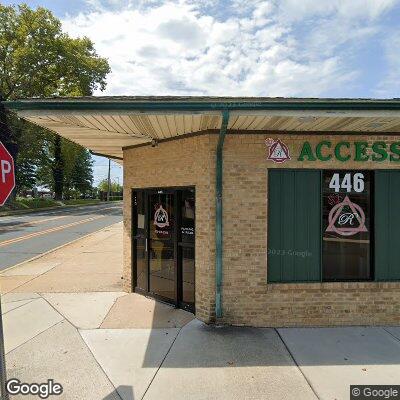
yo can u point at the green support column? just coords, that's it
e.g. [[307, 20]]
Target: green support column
[[218, 215]]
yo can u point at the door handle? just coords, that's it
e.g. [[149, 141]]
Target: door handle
[[146, 245]]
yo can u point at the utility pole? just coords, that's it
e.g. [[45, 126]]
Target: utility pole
[[109, 180]]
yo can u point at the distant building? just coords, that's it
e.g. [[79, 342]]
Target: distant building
[[43, 192]]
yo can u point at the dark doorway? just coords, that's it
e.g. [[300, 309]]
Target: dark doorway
[[163, 256]]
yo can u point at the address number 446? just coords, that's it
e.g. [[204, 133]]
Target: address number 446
[[356, 184]]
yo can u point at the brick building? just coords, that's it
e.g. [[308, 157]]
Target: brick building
[[252, 211]]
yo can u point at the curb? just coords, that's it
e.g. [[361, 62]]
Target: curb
[[53, 250], [35, 210]]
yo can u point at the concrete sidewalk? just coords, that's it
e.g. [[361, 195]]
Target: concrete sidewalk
[[66, 318]]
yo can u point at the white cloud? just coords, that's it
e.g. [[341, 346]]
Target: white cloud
[[343, 9], [390, 84], [270, 48]]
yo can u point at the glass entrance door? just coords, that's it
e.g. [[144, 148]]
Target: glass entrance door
[[163, 248], [186, 246], [162, 268]]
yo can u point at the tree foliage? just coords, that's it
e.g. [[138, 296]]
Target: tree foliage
[[114, 187], [37, 59], [75, 169]]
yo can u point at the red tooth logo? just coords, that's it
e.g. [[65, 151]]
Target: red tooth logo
[[278, 151]]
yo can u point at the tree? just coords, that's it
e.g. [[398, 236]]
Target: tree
[[78, 171], [115, 186], [58, 169], [75, 174], [82, 173], [38, 60]]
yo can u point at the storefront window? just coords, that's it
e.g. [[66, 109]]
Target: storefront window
[[346, 233], [333, 225]]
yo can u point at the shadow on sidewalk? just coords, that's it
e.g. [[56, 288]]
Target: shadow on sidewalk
[[199, 345], [121, 392]]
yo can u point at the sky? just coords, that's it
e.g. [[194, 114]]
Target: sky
[[291, 48]]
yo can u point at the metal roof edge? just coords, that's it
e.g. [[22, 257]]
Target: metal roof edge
[[77, 105]]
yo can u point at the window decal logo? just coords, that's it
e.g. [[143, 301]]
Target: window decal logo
[[161, 217], [278, 151], [346, 219]]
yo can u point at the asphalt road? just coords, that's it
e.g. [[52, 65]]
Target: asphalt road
[[25, 236]]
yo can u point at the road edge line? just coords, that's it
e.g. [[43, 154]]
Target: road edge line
[[55, 249]]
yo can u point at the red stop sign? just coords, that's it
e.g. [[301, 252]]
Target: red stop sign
[[7, 174]]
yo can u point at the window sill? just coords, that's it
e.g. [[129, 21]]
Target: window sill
[[333, 285]]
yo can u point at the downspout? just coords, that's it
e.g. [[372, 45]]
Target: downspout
[[218, 215]]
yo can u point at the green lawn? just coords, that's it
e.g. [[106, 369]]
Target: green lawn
[[29, 203], [37, 203]]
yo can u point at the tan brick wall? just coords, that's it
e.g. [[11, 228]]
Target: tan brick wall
[[183, 162], [247, 298]]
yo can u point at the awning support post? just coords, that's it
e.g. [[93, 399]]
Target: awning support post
[[218, 214]]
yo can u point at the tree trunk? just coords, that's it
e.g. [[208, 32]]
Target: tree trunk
[[58, 169]]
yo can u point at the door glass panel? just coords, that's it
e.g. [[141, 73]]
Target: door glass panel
[[161, 245], [139, 235], [187, 246], [346, 225], [187, 216], [188, 275]]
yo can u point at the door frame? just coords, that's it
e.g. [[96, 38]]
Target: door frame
[[177, 192]]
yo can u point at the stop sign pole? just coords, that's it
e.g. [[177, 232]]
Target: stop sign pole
[[7, 185]]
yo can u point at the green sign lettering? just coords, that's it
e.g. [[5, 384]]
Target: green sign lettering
[[343, 151], [318, 150], [306, 151], [361, 151], [395, 150], [380, 153], [338, 153]]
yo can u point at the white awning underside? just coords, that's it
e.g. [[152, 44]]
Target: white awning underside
[[108, 132]]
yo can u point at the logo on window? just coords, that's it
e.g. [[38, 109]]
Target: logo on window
[[161, 217], [349, 217], [278, 151]]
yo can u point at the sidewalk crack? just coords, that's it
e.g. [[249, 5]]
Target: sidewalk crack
[[16, 308], [390, 333], [161, 364], [97, 362], [297, 365], [52, 326]]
